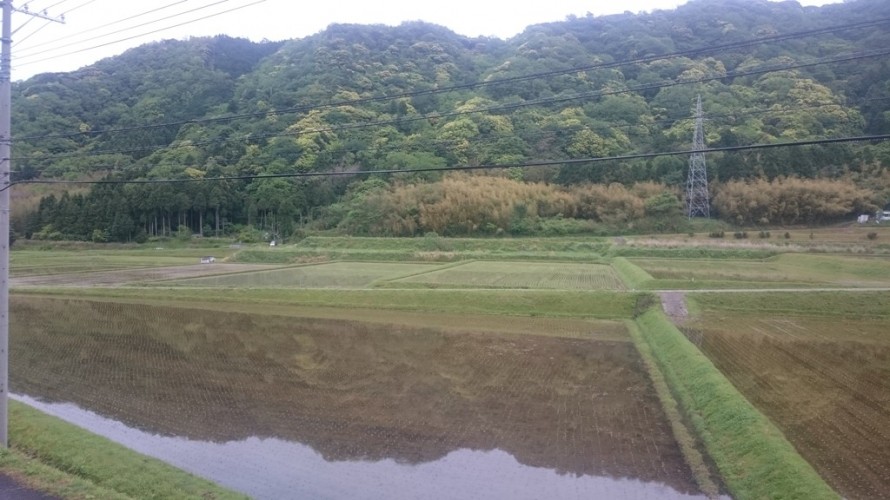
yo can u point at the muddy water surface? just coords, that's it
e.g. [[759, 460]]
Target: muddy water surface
[[275, 469], [284, 407]]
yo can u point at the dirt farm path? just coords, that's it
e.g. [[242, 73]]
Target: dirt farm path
[[674, 305]]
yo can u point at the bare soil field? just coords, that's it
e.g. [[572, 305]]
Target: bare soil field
[[129, 276], [352, 390], [824, 381]]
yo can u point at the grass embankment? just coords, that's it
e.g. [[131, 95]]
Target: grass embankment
[[753, 456], [553, 303], [61, 459], [668, 249], [685, 439], [427, 249], [634, 276]]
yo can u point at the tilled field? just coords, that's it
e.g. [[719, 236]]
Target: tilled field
[[824, 381], [129, 276], [351, 390]]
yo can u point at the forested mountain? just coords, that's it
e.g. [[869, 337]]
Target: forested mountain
[[353, 99]]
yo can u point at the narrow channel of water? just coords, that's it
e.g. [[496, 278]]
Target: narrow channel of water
[[276, 469]]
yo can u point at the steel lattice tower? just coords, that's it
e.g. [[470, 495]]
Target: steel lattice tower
[[698, 199]]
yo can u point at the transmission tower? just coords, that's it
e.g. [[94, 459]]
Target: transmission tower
[[698, 200]]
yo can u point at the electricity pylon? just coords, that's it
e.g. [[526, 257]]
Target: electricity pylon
[[698, 200]]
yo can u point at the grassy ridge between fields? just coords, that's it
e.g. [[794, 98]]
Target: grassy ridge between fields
[[64, 460], [689, 447], [634, 276], [753, 456]]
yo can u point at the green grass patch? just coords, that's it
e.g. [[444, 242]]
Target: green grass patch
[[442, 244], [843, 304], [692, 252], [111, 468], [686, 440], [428, 248], [753, 456], [332, 275], [535, 275], [34, 263], [634, 276], [41, 477], [31, 261], [784, 271], [556, 303]]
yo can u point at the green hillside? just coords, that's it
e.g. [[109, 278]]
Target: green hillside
[[354, 99]]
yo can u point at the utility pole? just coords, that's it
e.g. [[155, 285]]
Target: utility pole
[[5, 151], [698, 199]]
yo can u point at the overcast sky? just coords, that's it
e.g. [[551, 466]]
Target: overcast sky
[[95, 29]]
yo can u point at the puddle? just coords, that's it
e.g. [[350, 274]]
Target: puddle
[[274, 468]]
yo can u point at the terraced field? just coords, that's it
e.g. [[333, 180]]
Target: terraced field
[[332, 275], [787, 270], [541, 275]]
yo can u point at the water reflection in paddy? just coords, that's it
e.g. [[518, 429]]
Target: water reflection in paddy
[[276, 469], [373, 405]]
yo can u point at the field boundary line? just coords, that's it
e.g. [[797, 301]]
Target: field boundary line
[[449, 265], [689, 445], [752, 455]]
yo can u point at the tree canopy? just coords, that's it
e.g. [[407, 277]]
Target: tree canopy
[[353, 99]]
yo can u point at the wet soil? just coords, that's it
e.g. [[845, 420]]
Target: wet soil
[[351, 390], [825, 382]]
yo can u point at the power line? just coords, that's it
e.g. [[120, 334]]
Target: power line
[[112, 23], [365, 100], [570, 161], [146, 33]]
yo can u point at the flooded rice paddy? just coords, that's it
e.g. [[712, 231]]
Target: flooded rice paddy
[[279, 406]]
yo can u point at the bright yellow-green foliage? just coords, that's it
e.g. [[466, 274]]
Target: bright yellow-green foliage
[[102, 462], [754, 458]]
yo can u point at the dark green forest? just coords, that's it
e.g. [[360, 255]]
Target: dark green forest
[[356, 99]]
